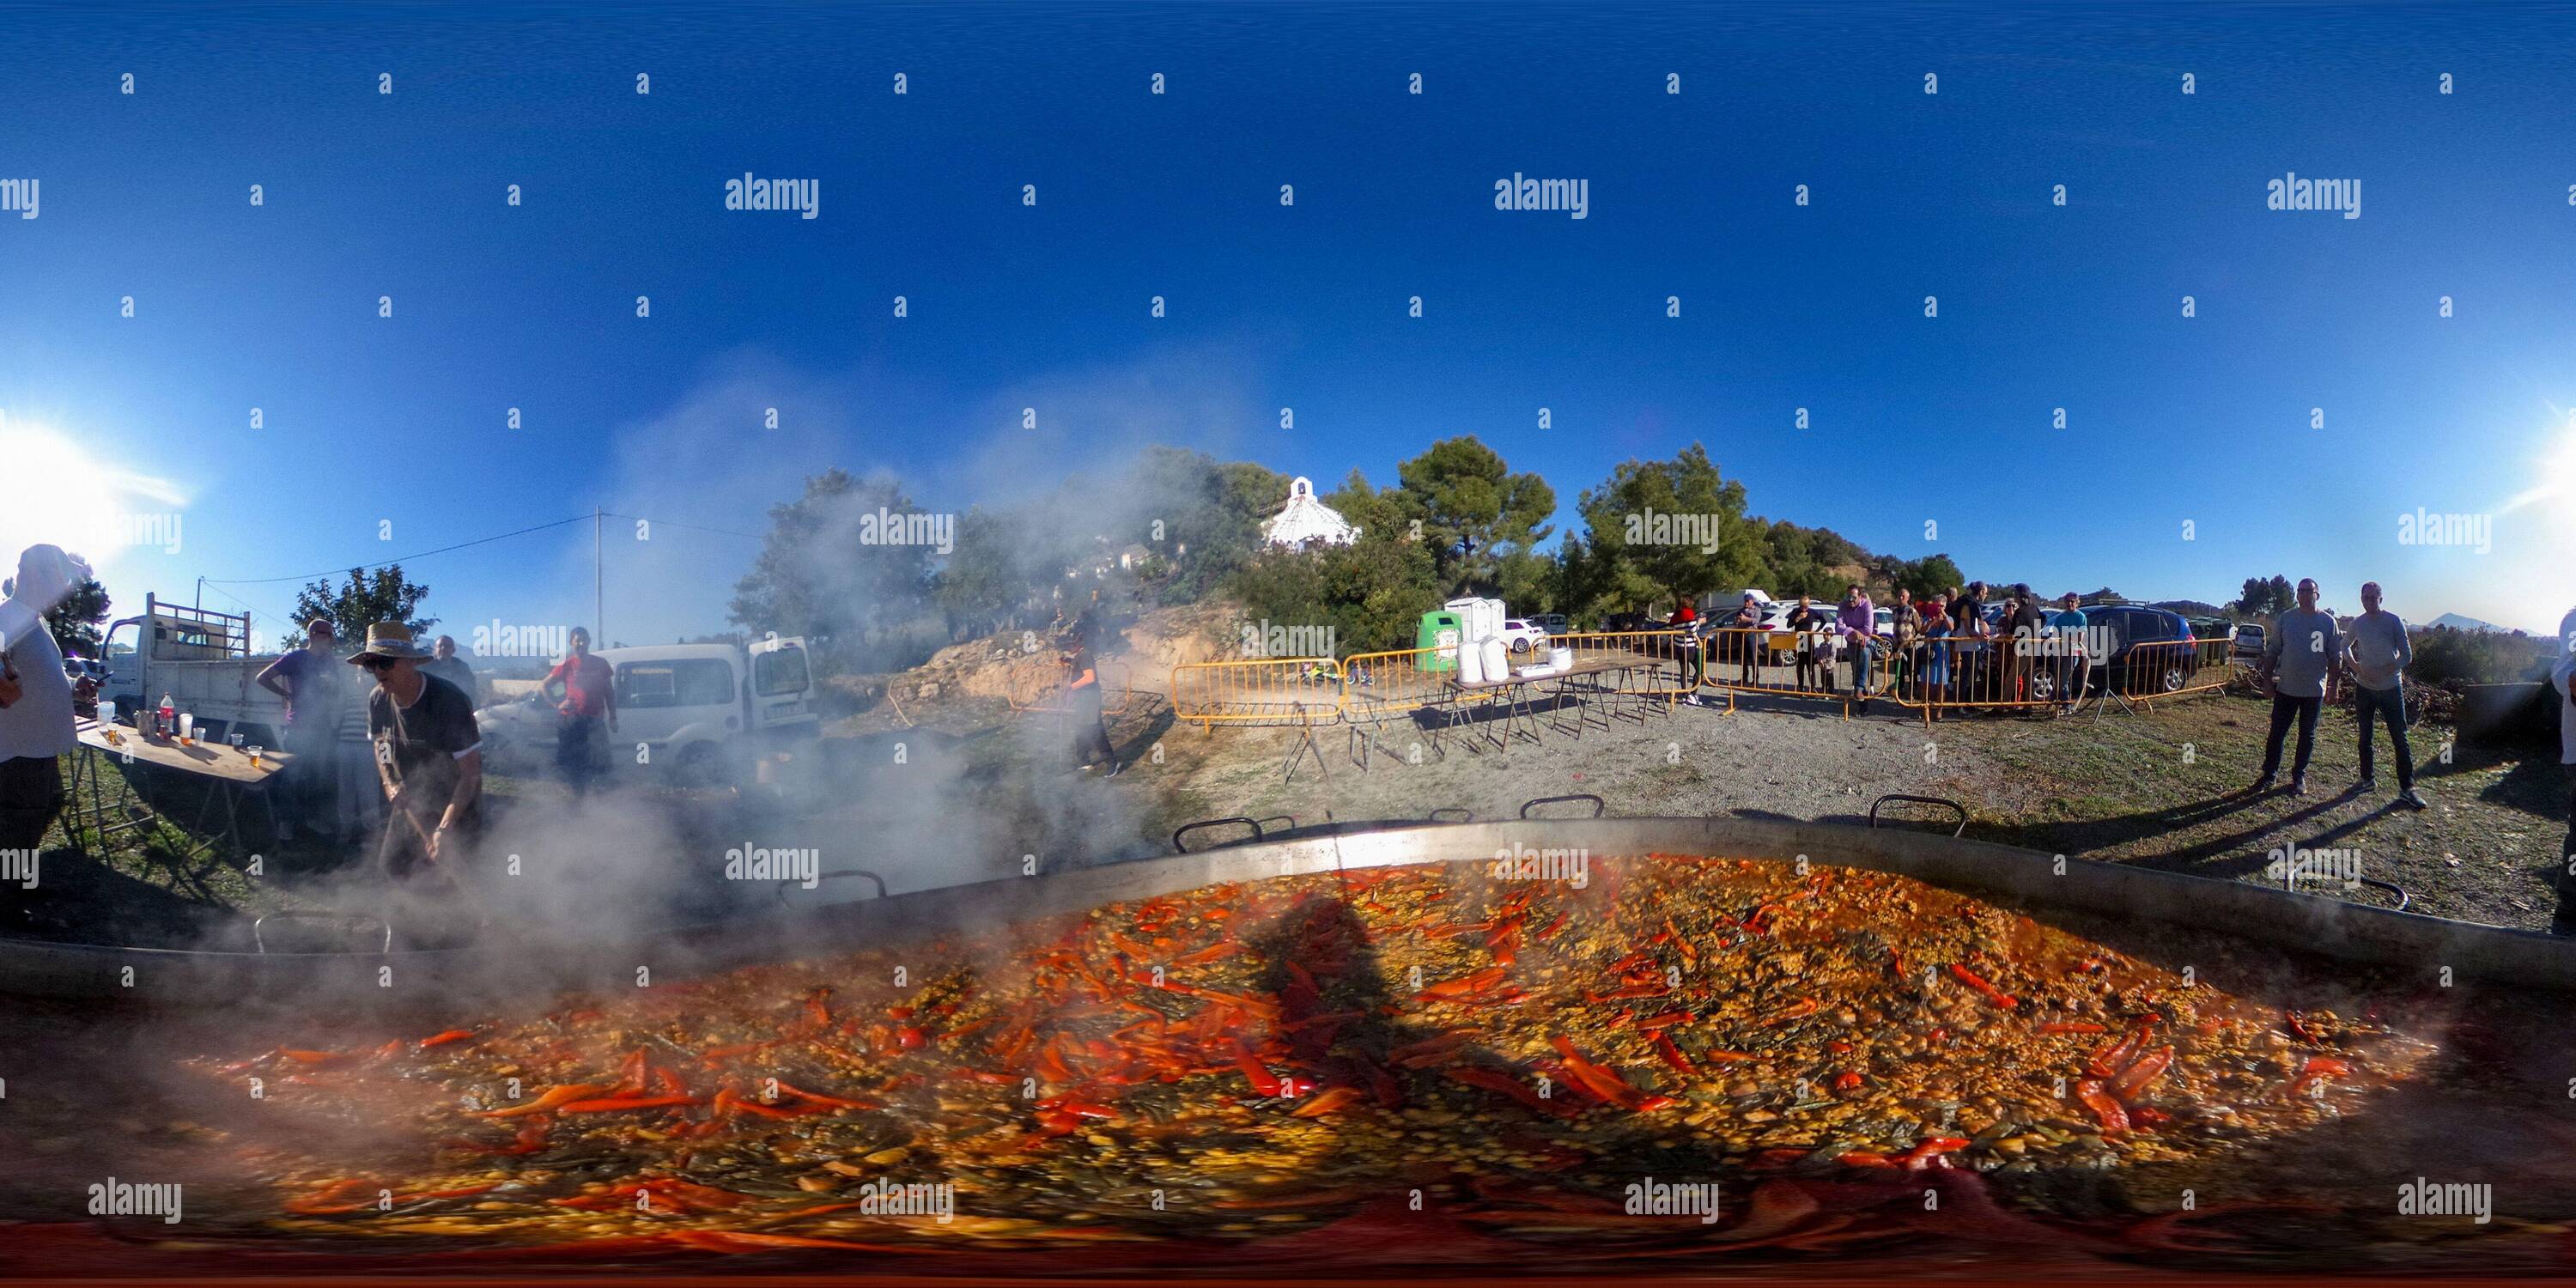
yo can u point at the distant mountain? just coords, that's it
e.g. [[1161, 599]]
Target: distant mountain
[[2458, 623]]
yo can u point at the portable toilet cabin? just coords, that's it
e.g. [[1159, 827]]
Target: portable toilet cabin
[[1441, 633]]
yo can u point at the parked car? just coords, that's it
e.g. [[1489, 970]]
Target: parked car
[[2248, 646], [695, 709], [1553, 623], [2153, 670], [1523, 638]]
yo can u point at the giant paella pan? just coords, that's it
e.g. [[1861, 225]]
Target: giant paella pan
[[1649, 1046]]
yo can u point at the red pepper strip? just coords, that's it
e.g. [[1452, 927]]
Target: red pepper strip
[[1728, 1055], [1263, 1080], [2148, 1116], [2138, 1075], [614, 1104], [1596, 1079], [1802, 1007], [562, 1095], [726, 1100], [2317, 1068], [307, 1057], [1475, 982], [1665, 1020], [1847, 1080], [1331, 1100], [1993, 994], [1864, 1158], [2063, 1027], [669, 1082], [1637, 958], [2107, 1111], [630, 1073], [835, 1102], [1489, 1080], [1929, 1151], [2110, 1060], [1211, 953], [1672, 1054], [2299, 1025], [442, 1039], [1556, 925], [1508, 951]]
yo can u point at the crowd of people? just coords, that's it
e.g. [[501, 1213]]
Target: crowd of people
[[1942, 650]]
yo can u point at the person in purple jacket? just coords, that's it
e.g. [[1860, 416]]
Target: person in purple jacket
[[1857, 623]]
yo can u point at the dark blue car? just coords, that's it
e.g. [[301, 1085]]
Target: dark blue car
[[2167, 668]]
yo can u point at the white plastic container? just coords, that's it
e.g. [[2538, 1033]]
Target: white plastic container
[[1560, 657], [1471, 665], [1498, 660]]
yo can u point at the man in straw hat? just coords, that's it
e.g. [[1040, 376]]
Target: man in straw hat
[[428, 755]]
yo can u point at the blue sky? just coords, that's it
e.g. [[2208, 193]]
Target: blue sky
[[396, 425]]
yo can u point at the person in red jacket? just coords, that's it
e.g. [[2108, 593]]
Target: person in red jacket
[[589, 702]]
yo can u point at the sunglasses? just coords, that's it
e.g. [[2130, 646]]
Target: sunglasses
[[377, 664]]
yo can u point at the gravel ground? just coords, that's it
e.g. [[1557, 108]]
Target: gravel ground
[[2161, 788]]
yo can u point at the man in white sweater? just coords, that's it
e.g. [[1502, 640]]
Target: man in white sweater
[[35, 698], [2298, 655], [2378, 651]]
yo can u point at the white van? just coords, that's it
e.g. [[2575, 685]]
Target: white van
[[695, 710]]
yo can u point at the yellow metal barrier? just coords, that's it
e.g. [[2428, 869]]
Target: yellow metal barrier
[[1380, 686], [2169, 669], [1262, 691], [1814, 663]]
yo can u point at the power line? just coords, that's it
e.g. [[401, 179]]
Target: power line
[[333, 572]]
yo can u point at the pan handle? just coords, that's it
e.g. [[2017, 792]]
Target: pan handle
[[872, 879], [1950, 805], [1464, 815], [1289, 819], [1187, 828], [259, 939], [2392, 887], [1599, 806]]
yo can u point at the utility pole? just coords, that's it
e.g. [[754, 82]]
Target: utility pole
[[598, 598]]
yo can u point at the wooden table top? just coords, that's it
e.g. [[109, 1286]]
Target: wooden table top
[[212, 760]]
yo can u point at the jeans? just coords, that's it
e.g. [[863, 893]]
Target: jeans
[[573, 755], [1860, 664], [1090, 731], [2283, 708], [1694, 666], [2388, 704]]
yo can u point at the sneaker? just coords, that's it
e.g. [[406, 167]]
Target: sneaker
[[2298, 787], [2413, 799], [2368, 783], [1113, 770], [2261, 785]]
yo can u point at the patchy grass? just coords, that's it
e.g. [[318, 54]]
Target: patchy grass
[[2166, 789]]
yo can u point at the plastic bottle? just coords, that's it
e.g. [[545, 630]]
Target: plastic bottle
[[168, 716]]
